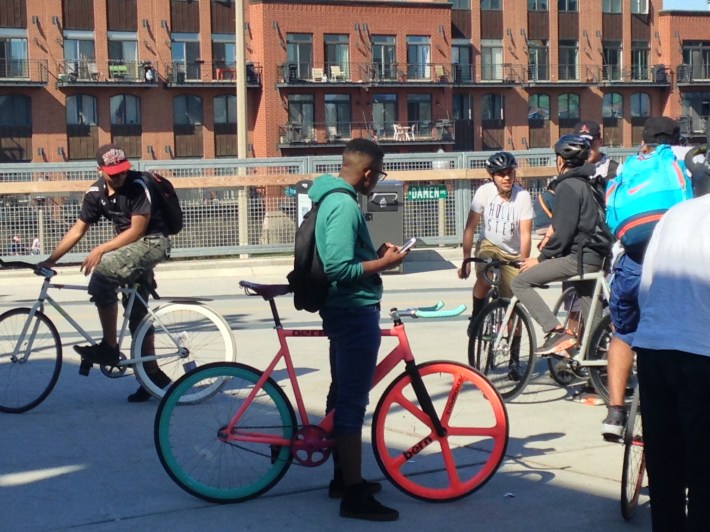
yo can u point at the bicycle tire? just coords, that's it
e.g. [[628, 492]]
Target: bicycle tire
[[495, 361], [634, 461], [197, 328], [190, 450], [418, 461], [24, 384], [597, 350], [560, 369]]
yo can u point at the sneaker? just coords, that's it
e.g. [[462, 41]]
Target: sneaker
[[141, 395], [614, 423], [557, 342], [101, 354], [471, 323], [357, 504], [514, 372], [336, 488]]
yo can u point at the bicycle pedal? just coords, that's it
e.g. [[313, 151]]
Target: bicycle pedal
[[85, 367]]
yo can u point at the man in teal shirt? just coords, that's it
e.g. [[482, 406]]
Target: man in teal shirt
[[351, 317]]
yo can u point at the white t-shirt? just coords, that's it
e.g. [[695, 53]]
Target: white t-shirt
[[501, 217], [674, 296]]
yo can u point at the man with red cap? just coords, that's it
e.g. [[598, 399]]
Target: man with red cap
[[141, 241]]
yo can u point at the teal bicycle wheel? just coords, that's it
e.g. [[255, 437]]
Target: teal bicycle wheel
[[193, 444]]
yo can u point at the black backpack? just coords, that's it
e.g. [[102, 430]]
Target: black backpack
[[308, 280], [168, 201]]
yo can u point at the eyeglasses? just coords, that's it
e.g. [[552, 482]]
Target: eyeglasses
[[381, 175]]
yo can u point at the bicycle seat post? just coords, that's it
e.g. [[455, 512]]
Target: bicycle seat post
[[275, 312]]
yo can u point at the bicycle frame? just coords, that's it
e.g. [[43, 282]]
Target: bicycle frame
[[44, 297], [401, 352]]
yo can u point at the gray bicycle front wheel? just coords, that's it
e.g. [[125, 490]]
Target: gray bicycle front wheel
[[29, 363]]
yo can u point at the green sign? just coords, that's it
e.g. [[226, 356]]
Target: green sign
[[427, 192]]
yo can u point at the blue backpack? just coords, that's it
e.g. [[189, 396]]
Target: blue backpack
[[647, 186]]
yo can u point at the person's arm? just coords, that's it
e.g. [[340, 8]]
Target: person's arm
[[139, 224], [468, 233], [565, 220], [525, 238], [69, 240], [389, 257]]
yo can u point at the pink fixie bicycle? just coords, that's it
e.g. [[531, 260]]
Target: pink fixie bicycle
[[439, 431]]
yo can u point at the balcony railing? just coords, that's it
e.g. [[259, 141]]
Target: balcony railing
[[180, 72], [655, 74], [368, 73], [690, 73], [692, 125], [91, 71], [425, 131], [18, 71]]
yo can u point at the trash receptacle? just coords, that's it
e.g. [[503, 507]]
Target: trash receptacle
[[384, 214]]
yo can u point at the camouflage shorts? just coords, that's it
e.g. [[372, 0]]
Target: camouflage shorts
[[125, 266]]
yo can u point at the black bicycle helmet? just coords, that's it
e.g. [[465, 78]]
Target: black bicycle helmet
[[500, 162], [574, 149]]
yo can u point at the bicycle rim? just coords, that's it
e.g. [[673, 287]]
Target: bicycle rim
[[415, 458], [634, 463], [598, 350], [190, 450], [26, 379], [507, 357], [561, 370], [186, 337]]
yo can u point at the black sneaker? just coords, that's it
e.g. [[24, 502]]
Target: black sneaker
[[614, 423], [471, 323], [557, 341], [514, 372], [356, 504], [101, 354], [141, 395], [336, 488]]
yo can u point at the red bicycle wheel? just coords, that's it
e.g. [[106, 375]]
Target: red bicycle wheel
[[634, 461], [441, 468]]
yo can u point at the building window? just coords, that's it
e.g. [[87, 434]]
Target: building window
[[538, 61], [568, 56], [384, 114], [567, 5], [568, 106], [639, 7], [492, 121], [15, 128], [612, 60], [491, 5], [539, 121], [418, 57], [696, 110], [384, 56], [13, 55], [611, 6], [492, 107], [539, 107], [123, 56], [79, 55], [337, 117], [639, 61], [461, 60], [187, 125], [696, 55], [640, 105], [537, 5], [299, 55], [185, 54], [337, 61], [225, 125], [612, 105], [125, 109], [224, 52], [81, 110], [491, 60], [301, 114], [461, 107], [419, 114], [460, 4]]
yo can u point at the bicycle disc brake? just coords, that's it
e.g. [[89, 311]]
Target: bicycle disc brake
[[114, 372], [311, 446]]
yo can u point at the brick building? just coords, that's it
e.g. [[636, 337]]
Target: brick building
[[158, 76]]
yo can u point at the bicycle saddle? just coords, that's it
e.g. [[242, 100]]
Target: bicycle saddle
[[267, 291]]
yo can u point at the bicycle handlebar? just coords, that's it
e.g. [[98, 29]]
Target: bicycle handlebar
[[47, 273], [434, 311], [492, 263]]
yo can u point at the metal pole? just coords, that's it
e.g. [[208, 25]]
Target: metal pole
[[242, 140]]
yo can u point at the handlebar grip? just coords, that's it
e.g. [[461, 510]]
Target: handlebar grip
[[438, 305], [422, 313]]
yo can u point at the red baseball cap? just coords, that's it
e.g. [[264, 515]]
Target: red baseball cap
[[112, 159]]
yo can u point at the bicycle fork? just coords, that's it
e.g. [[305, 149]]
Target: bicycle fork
[[424, 398]]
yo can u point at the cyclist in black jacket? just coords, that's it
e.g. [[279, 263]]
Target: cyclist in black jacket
[[575, 245]]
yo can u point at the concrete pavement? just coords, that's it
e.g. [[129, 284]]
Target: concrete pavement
[[85, 458]]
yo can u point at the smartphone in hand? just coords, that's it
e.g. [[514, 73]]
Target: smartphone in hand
[[407, 245]]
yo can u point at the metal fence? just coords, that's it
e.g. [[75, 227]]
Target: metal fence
[[235, 207]]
